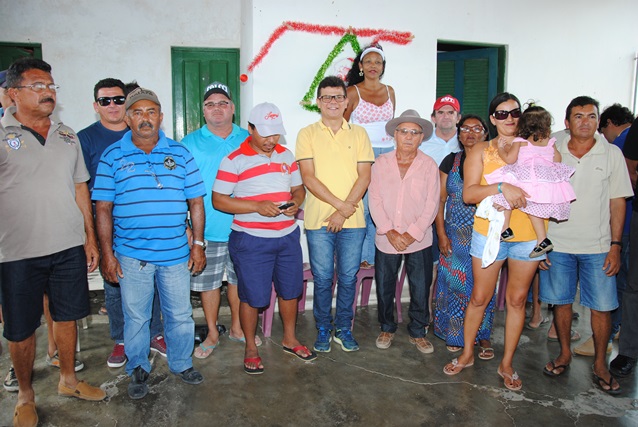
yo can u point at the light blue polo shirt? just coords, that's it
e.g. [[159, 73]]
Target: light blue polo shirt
[[209, 150], [149, 194]]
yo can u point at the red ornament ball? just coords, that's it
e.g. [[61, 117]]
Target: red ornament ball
[[243, 78]]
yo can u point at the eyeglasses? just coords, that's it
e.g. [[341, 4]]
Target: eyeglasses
[[39, 87], [151, 171], [502, 114], [412, 132], [474, 129], [327, 99], [103, 101], [220, 104]]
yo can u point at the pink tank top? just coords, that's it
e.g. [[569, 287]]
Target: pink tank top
[[373, 118]]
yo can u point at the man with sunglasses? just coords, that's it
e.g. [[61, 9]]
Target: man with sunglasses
[[146, 184], [335, 159], [210, 145], [109, 97], [42, 176]]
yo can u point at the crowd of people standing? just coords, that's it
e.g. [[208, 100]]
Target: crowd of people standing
[[451, 202]]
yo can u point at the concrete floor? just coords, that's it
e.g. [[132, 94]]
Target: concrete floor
[[371, 387]]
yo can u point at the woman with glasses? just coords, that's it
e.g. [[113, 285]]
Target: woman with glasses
[[371, 104], [504, 113], [454, 223]]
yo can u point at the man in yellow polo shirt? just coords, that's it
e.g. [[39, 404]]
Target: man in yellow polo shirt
[[335, 159]]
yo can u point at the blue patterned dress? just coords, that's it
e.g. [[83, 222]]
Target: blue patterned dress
[[455, 280]]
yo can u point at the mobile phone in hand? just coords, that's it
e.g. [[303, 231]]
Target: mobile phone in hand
[[285, 206]]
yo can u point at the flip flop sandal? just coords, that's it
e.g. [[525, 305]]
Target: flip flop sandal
[[452, 370], [529, 326], [511, 378], [551, 373], [600, 381], [258, 341], [486, 353], [203, 351], [256, 370], [296, 351]]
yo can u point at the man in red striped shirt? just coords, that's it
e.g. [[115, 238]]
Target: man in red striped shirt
[[265, 184]]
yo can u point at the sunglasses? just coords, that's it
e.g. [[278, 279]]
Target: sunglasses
[[103, 101], [502, 114]]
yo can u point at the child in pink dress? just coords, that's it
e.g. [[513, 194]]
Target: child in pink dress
[[533, 164]]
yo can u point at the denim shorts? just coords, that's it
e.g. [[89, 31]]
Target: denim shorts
[[597, 290], [513, 250], [261, 262], [217, 262]]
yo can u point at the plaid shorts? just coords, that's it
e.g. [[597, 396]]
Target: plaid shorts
[[217, 263]]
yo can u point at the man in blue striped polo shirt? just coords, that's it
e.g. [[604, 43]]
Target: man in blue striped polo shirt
[[264, 180], [145, 185]]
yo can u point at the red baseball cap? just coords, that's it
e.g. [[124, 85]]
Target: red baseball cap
[[447, 100]]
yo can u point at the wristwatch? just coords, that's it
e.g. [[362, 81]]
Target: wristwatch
[[200, 243]]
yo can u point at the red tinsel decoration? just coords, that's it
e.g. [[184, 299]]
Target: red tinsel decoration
[[398, 37]]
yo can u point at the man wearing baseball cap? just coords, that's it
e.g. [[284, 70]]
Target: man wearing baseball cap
[[209, 145], [446, 113], [261, 185], [145, 185]]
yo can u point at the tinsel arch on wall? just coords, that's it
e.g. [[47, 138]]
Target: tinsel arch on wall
[[349, 35]]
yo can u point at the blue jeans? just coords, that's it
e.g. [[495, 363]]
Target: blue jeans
[[419, 274], [137, 289], [367, 250], [621, 284], [322, 247], [558, 285], [113, 303]]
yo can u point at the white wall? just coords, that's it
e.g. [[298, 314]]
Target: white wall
[[88, 40], [556, 50]]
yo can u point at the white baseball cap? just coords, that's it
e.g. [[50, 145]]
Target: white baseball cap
[[267, 119]]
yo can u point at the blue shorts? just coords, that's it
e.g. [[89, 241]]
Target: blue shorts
[[513, 250], [261, 262], [597, 290]]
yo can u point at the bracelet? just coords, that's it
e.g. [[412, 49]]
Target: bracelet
[[499, 187], [616, 242]]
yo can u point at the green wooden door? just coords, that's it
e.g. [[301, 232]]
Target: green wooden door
[[9, 52], [193, 70], [472, 76]]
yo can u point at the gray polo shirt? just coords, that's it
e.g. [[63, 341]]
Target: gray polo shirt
[[38, 212]]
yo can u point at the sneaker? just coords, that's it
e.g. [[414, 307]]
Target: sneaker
[[138, 388], [324, 336], [347, 341], [384, 340], [587, 348], [117, 359], [55, 362], [158, 345], [11, 381], [422, 344], [507, 234]]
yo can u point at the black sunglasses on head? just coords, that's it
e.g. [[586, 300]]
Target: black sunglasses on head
[[106, 100]]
